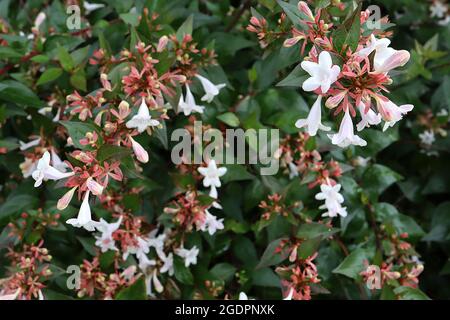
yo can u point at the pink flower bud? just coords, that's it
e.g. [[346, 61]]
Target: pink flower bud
[[162, 43], [83, 156], [124, 109], [139, 151], [65, 199], [105, 83], [158, 286], [73, 97], [187, 38], [129, 272], [98, 118], [252, 29], [95, 187], [293, 255], [39, 19], [303, 7], [334, 101], [254, 21], [179, 78], [292, 41]]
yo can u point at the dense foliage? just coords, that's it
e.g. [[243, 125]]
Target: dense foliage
[[93, 205]]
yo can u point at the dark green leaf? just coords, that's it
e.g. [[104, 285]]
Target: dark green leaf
[[17, 92], [49, 75]]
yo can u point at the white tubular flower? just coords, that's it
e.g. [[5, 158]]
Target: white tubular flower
[[211, 89], [333, 200], [57, 162], [44, 171], [361, 162], [10, 296], [438, 10], [427, 138], [385, 58], [293, 170], [28, 167], [392, 113], [105, 241], [313, 121], [139, 151], [153, 279], [397, 59], [346, 136], [142, 120], [39, 20], [108, 228], [189, 256], [442, 113], [243, 296], [212, 174], [145, 262], [189, 106], [158, 286], [167, 264], [45, 111], [212, 224], [213, 194], [289, 296], [367, 119], [381, 46], [89, 7], [157, 242], [323, 74], [93, 186], [140, 250], [57, 115], [32, 143], [444, 22], [84, 218], [129, 272]]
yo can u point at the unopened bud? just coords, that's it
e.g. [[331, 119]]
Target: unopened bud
[[162, 43], [304, 8]]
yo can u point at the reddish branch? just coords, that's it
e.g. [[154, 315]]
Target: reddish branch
[[25, 58]]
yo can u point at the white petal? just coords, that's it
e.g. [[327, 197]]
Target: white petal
[[325, 60], [311, 67], [311, 84]]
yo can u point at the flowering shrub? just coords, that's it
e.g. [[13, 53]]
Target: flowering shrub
[[101, 200]]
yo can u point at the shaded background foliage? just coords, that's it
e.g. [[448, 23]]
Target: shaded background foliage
[[407, 187]]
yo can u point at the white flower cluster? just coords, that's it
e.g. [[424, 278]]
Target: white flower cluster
[[439, 10], [323, 74], [333, 201], [148, 266], [211, 179], [51, 167], [142, 121], [427, 139], [187, 104]]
